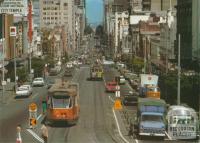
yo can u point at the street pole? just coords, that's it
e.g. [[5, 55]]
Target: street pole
[[30, 51], [15, 70], [3, 42], [144, 41], [179, 70]]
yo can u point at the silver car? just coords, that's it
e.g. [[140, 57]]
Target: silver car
[[38, 81], [24, 90]]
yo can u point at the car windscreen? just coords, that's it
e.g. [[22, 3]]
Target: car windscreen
[[38, 79], [22, 88], [155, 118]]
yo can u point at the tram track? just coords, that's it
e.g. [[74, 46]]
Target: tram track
[[98, 100]]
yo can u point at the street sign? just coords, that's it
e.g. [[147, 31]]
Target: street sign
[[117, 104], [13, 32], [117, 93], [32, 107], [32, 115], [33, 122], [4, 82]]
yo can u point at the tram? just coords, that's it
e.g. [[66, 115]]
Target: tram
[[96, 72], [63, 103], [182, 123]]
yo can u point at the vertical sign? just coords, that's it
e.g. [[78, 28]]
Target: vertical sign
[[30, 30], [32, 115], [13, 32]]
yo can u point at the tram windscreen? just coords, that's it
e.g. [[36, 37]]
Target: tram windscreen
[[155, 118], [61, 101]]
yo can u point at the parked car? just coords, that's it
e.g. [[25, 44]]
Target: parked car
[[111, 86], [122, 80], [130, 99], [38, 81], [24, 90], [68, 72], [134, 83], [53, 72], [50, 82]]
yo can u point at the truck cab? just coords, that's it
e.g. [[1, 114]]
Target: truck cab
[[152, 92], [151, 117], [149, 86]]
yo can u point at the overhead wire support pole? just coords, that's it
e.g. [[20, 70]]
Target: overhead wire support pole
[[3, 44], [179, 71], [15, 70]]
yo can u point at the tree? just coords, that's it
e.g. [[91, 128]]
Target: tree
[[38, 66], [45, 40], [188, 92], [88, 30], [22, 74], [99, 31]]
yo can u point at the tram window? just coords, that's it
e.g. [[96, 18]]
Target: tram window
[[61, 102], [70, 103]]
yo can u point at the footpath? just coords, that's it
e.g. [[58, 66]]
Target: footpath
[[8, 93]]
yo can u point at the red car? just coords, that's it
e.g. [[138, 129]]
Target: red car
[[111, 86]]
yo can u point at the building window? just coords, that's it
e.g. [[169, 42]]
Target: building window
[[65, 4]]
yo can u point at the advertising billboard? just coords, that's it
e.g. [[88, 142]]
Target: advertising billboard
[[16, 7]]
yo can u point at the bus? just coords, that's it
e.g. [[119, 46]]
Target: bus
[[63, 103], [182, 123]]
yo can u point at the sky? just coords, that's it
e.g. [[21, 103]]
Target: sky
[[94, 11]]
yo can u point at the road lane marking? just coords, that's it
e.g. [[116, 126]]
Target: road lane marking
[[168, 135], [39, 116], [34, 95], [119, 127], [35, 135], [111, 99]]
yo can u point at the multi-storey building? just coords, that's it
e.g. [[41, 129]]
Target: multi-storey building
[[6, 20], [59, 13], [18, 8], [121, 30], [184, 28], [158, 5]]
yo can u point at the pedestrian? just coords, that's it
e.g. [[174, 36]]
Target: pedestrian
[[130, 133], [19, 138], [44, 133]]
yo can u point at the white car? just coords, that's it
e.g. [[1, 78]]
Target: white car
[[38, 82], [24, 90], [122, 80]]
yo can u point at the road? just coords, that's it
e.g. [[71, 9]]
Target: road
[[128, 113], [98, 122]]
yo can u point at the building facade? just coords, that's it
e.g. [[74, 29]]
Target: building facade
[[6, 21], [184, 28]]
